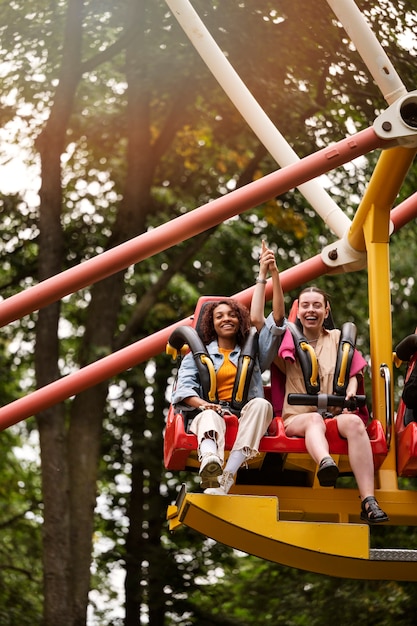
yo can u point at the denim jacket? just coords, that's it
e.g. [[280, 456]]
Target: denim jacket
[[270, 337], [188, 381]]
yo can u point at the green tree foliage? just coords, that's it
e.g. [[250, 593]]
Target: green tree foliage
[[256, 590], [20, 493], [20, 547]]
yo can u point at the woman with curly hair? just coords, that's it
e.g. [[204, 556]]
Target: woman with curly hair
[[224, 328]]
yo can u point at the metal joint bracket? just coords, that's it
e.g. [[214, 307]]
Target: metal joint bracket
[[398, 123], [341, 254]]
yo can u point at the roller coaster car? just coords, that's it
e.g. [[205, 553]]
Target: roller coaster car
[[406, 420], [282, 459]]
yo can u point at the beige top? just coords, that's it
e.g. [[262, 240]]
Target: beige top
[[326, 352]]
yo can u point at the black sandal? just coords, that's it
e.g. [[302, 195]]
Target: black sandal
[[373, 514], [328, 472]]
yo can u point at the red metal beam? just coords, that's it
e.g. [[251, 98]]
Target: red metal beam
[[155, 241], [148, 347], [128, 357], [188, 225], [404, 212]]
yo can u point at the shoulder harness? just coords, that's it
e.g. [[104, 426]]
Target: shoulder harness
[[186, 336], [308, 359]]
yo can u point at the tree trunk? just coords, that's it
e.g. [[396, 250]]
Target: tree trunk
[[70, 448], [146, 559], [88, 408], [51, 423], [135, 541]]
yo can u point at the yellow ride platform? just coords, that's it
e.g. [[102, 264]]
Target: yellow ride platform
[[281, 528]]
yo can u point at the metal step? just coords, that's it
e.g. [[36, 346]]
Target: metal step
[[392, 555]]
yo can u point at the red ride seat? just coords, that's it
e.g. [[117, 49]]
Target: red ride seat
[[178, 444], [278, 441], [406, 434]]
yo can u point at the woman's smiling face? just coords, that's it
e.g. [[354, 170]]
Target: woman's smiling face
[[312, 310], [226, 321]]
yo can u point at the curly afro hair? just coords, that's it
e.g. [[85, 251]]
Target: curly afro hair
[[206, 326]]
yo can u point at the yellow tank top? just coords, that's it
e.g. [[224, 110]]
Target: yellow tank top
[[226, 376]]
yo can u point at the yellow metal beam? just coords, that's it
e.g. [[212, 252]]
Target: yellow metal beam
[[375, 218], [382, 191]]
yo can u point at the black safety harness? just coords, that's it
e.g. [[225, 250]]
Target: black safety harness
[[185, 337], [309, 367]]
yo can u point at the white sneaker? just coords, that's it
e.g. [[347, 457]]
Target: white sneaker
[[225, 482], [210, 469]]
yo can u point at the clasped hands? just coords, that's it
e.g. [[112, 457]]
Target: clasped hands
[[210, 405]]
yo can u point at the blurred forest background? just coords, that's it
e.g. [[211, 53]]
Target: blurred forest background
[[120, 127]]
